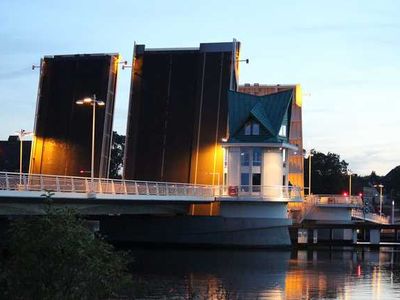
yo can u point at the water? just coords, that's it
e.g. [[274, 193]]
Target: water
[[259, 274]]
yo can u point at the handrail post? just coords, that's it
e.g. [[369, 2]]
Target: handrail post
[[136, 189], [41, 182], [58, 184], [86, 186], [147, 188], [157, 191], [23, 182], [7, 182], [125, 189], [72, 185], [100, 187], [167, 189], [112, 187]]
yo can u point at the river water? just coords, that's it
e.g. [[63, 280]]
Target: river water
[[354, 273]]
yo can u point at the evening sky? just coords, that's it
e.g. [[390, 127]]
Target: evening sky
[[345, 54]]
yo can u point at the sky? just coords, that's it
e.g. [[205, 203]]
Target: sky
[[344, 53]]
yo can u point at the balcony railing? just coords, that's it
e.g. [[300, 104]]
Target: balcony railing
[[282, 193]]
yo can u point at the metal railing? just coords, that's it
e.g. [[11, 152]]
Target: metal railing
[[334, 200], [70, 184], [299, 213], [283, 193], [375, 218]]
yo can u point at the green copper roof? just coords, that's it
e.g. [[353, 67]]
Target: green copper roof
[[269, 110]]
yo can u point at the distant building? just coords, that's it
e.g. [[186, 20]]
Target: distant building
[[10, 154], [295, 157], [63, 130], [178, 112]]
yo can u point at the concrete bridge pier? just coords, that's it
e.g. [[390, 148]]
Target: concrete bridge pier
[[354, 236], [315, 236], [302, 236], [327, 235], [374, 236]]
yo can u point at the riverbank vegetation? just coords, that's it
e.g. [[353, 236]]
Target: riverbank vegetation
[[56, 256]]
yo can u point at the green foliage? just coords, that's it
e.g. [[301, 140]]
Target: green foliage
[[117, 155], [329, 173], [56, 256], [329, 176], [392, 184]]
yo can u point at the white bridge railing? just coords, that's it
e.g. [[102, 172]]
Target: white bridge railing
[[282, 193], [375, 218], [69, 184], [334, 200]]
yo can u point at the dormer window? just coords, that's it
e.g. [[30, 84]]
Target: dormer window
[[282, 131], [256, 129], [252, 128]]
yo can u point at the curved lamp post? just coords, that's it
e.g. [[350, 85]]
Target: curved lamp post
[[21, 134], [350, 173], [310, 155], [380, 197], [94, 103]]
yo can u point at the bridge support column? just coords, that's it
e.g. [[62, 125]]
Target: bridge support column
[[302, 236], [354, 236], [315, 236], [374, 236]]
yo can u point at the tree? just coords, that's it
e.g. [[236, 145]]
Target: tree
[[56, 257], [117, 155], [329, 173], [392, 184]]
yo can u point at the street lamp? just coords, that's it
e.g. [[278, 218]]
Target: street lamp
[[244, 60], [349, 172], [392, 211], [21, 134], [94, 103], [310, 154], [380, 197]]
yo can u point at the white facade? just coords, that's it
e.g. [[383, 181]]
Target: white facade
[[257, 168]]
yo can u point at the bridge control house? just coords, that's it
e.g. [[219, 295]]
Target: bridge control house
[[256, 150]]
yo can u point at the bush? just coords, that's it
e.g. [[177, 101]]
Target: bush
[[56, 257]]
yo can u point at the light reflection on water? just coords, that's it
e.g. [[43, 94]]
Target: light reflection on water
[[250, 274]]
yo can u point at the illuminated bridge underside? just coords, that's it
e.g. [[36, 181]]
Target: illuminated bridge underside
[[31, 203]]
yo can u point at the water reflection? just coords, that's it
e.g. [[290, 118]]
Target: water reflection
[[302, 274]]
